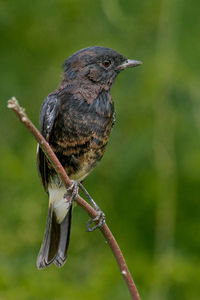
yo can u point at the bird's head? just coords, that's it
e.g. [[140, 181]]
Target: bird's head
[[96, 65]]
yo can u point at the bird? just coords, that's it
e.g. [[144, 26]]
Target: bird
[[76, 119]]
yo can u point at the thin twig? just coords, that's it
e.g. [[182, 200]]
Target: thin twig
[[20, 112]]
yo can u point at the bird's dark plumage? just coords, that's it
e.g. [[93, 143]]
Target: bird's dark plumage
[[76, 119]]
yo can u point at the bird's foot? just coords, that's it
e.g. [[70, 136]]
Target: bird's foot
[[72, 192], [100, 218]]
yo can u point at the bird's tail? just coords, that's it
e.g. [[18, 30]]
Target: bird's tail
[[56, 240]]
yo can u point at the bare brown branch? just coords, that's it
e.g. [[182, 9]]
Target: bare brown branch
[[20, 112]]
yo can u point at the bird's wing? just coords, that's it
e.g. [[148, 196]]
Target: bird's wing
[[48, 114]]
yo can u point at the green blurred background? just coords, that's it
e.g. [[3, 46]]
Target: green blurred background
[[148, 183]]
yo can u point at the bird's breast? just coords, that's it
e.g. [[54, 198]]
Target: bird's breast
[[80, 135]]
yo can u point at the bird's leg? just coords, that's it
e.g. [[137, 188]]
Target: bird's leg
[[100, 218], [72, 191]]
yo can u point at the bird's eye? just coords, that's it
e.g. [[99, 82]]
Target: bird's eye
[[106, 63]]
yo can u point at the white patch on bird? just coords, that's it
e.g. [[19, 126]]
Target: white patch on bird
[[59, 203]]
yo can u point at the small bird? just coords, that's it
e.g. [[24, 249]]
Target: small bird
[[76, 119]]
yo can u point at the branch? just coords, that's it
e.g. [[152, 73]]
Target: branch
[[20, 112]]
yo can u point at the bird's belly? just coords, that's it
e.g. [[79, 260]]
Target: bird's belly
[[81, 174], [84, 164], [79, 148]]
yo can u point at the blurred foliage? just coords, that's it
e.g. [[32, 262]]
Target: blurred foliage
[[148, 182]]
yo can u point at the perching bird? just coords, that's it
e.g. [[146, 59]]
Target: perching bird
[[76, 119]]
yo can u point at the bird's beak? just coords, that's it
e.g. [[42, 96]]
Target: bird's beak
[[129, 63]]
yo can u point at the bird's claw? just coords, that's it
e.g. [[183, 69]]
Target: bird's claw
[[100, 218]]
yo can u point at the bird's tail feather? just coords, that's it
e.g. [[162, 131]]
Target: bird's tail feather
[[56, 240]]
